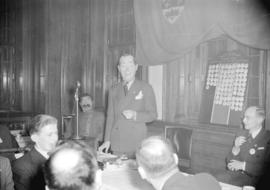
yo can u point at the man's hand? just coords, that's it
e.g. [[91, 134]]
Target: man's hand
[[129, 114], [239, 141], [235, 165], [105, 146]]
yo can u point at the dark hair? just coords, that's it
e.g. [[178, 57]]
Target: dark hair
[[40, 121], [85, 95], [80, 177], [127, 55]]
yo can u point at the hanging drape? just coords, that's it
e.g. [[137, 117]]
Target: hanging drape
[[166, 29]]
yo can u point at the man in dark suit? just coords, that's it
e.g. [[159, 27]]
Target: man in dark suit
[[250, 152], [131, 104], [158, 164], [6, 181], [91, 121], [27, 170], [7, 140]]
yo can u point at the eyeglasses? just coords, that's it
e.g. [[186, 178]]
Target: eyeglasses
[[86, 105]]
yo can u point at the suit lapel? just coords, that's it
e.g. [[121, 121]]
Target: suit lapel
[[132, 92]]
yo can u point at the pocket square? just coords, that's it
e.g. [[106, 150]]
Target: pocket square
[[139, 96]]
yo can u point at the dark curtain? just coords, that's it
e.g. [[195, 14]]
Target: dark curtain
[[166, 29]]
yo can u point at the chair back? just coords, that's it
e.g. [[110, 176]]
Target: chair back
[[181, 140]]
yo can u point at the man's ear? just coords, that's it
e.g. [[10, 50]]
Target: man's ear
[[46, 187], [175, 157], [142, 172], [33, 137]]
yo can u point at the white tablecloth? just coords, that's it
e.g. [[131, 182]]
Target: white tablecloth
[[124, 177]]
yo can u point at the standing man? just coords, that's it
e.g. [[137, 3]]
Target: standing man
[[27, 170], [250, 152], [158, 164], [131, 104]]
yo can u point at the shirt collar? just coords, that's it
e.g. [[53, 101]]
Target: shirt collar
[[42, 152], [256, 132], [129, 84]]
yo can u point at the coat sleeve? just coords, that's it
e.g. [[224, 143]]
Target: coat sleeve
[[6, 174], [149, 113], [21, 175]]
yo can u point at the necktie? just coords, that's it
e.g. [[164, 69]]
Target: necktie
[[249, 138], [125, 89]]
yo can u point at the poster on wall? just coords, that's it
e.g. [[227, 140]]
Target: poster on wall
[[230, 83]]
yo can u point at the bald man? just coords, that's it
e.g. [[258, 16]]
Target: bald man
[[250, 152], [73, 166], [158, 164]]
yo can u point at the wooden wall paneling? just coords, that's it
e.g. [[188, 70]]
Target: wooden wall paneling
[[267, 94], [27, 64], [67, 36], [97, 49]]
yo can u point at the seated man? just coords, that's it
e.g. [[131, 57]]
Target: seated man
[[7, 140], [73, 166], [250, 152], [6, 181], [91, 122], [158, 164], [27, 170]]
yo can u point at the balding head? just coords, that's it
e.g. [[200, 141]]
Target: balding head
[[72, 166], [156, 156]]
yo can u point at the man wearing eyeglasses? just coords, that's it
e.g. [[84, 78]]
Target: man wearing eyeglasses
[[91, 121]]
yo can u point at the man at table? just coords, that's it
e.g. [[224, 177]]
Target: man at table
[[27, 170], [158, 164], [250, 153], [73, 166], [131, 104]]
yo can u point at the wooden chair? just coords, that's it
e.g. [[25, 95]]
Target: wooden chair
[[181, 139]]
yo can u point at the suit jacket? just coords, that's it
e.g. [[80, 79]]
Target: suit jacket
[[125, 135], [255, 152], [202, 181], [7, 140], [27, 171], [6, 181]]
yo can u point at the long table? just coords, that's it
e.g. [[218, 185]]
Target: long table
[[123, 177]]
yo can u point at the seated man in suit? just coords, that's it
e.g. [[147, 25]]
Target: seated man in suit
[[7, 140], [6, 181], [27, 170], [73, 166], [250, 152], [158, 164], [91, 121]]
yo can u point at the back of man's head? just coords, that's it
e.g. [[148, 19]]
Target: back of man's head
[[72, 166], [156, 156]]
